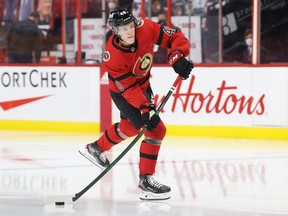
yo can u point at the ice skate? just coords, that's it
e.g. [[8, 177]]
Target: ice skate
[[93, 153], [152, 190]]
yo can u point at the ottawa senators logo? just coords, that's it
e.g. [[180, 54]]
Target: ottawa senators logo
[[142, 65], [106, 56], [140, 23]]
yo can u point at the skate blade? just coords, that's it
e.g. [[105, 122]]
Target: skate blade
[[85, 154], [145, 195]]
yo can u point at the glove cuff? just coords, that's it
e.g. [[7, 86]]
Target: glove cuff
[[174, 56], [144, 108], [147, 108]]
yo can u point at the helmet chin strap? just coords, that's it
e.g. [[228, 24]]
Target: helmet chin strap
[[118, 37], [115, 32]]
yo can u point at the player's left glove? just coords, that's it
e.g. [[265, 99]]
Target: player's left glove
[[180, 64], [148, 118]]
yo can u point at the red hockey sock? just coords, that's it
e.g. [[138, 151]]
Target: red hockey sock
[[148, 157], [116, 134], [109, 138]]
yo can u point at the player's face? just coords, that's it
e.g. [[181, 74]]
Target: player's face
[[127, 33]]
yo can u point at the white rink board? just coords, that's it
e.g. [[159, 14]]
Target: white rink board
[[72, 93], [264, 88]]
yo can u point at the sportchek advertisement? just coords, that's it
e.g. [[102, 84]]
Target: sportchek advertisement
[[49, 93]]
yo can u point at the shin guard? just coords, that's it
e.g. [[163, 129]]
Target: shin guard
[[150, 147], [109, 138], [116, 134], [148, 157]]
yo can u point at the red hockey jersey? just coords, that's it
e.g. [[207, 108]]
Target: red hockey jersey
[[129, 67]]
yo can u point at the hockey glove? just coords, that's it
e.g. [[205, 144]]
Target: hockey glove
[[180, 64], [149, 120]]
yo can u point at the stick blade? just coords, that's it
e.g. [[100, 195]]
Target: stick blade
[[66, 199]]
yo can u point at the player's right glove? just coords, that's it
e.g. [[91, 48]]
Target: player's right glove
[[180, 64], [149, 120]]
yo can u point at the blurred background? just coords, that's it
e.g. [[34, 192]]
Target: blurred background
[[218, 29]]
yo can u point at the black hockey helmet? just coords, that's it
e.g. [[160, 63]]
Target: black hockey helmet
[[120, 17]]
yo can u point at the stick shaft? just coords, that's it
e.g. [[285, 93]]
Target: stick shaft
[[78, 195]]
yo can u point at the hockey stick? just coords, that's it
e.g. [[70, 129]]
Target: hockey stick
[[61, 200]]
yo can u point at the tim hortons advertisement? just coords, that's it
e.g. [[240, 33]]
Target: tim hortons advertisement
[[224, 96], [49, 93]]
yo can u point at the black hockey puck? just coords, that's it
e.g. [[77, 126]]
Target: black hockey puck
[[59, 203]]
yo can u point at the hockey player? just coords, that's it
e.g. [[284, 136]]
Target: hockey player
[[128, 58]]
